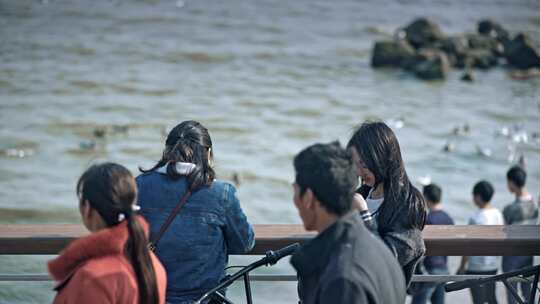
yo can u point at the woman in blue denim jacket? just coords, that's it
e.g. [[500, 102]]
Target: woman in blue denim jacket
[[210, 226]]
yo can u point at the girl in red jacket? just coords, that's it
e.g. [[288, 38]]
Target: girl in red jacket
[[112, 264]]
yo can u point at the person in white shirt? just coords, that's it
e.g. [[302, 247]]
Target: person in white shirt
[[483, 265]]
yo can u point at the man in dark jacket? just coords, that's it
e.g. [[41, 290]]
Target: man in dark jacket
[[344, 263]]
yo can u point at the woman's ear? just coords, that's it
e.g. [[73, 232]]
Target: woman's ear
[[210, 158], [85, 210]]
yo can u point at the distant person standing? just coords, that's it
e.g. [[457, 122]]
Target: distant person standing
[[435, 265], [483, 265], [522, 211]]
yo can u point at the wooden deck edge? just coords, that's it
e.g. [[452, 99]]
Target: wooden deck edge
[[439, 240]]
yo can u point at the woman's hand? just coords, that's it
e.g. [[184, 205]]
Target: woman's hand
[[359, 203]]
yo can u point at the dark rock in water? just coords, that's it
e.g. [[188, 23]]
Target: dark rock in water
[[455, 48], [522, 53], [481, 58], [525, 74], [391, 53], [481, 42], [485, 43], [423, 49], [468, 76], [488, 27], [429, 64], [423, 32]]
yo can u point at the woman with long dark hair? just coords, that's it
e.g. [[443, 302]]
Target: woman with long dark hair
[[209, 225], [112, 264], [390, 205]]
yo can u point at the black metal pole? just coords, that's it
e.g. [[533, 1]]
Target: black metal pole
[[217, 295], [534, 287], [231, 279], [248, 288], [525, 272], [512, 290]]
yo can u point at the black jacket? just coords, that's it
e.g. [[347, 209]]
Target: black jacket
[[347, 264], [407, 244]]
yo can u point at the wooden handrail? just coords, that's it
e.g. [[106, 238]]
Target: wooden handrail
[[440, 240]]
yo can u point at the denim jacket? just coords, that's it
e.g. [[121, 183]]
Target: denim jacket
[[195, 247]]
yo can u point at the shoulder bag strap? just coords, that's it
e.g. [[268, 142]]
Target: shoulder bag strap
[[154, 241]]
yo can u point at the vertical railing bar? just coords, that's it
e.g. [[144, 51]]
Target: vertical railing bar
[[512, 291]]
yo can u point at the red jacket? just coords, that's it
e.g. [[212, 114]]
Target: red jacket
[[94, 269]]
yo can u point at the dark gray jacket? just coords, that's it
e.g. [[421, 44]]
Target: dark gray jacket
[[347, 264], [407, 244]]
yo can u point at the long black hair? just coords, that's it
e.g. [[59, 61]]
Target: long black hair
[[110, 189], [378, 148], [188, 142]]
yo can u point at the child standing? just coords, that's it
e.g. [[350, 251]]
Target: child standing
[[483, 265], [435, 265]]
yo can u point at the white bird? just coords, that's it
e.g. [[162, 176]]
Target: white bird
[[504, 131], [19, 153], [424, 180], [396, 123], [449, 147], [486, 152], [520, 137]]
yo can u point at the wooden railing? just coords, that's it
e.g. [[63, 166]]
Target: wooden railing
[[439, 240]]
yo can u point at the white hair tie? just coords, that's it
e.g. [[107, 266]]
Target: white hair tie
[[122, 216]]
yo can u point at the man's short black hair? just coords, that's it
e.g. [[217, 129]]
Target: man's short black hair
[[432, 193], [328, 170], [484, 190], [517, 175]]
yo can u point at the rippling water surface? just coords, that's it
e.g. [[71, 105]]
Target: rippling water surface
[[266, 77]]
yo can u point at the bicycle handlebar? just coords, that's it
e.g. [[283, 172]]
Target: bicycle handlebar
[[271, 258], [454, 286]]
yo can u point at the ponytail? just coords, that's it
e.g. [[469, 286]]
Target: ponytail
[[111, 190], [138, 254]]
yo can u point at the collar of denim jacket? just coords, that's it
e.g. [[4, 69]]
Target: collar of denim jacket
[[181, 167]]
